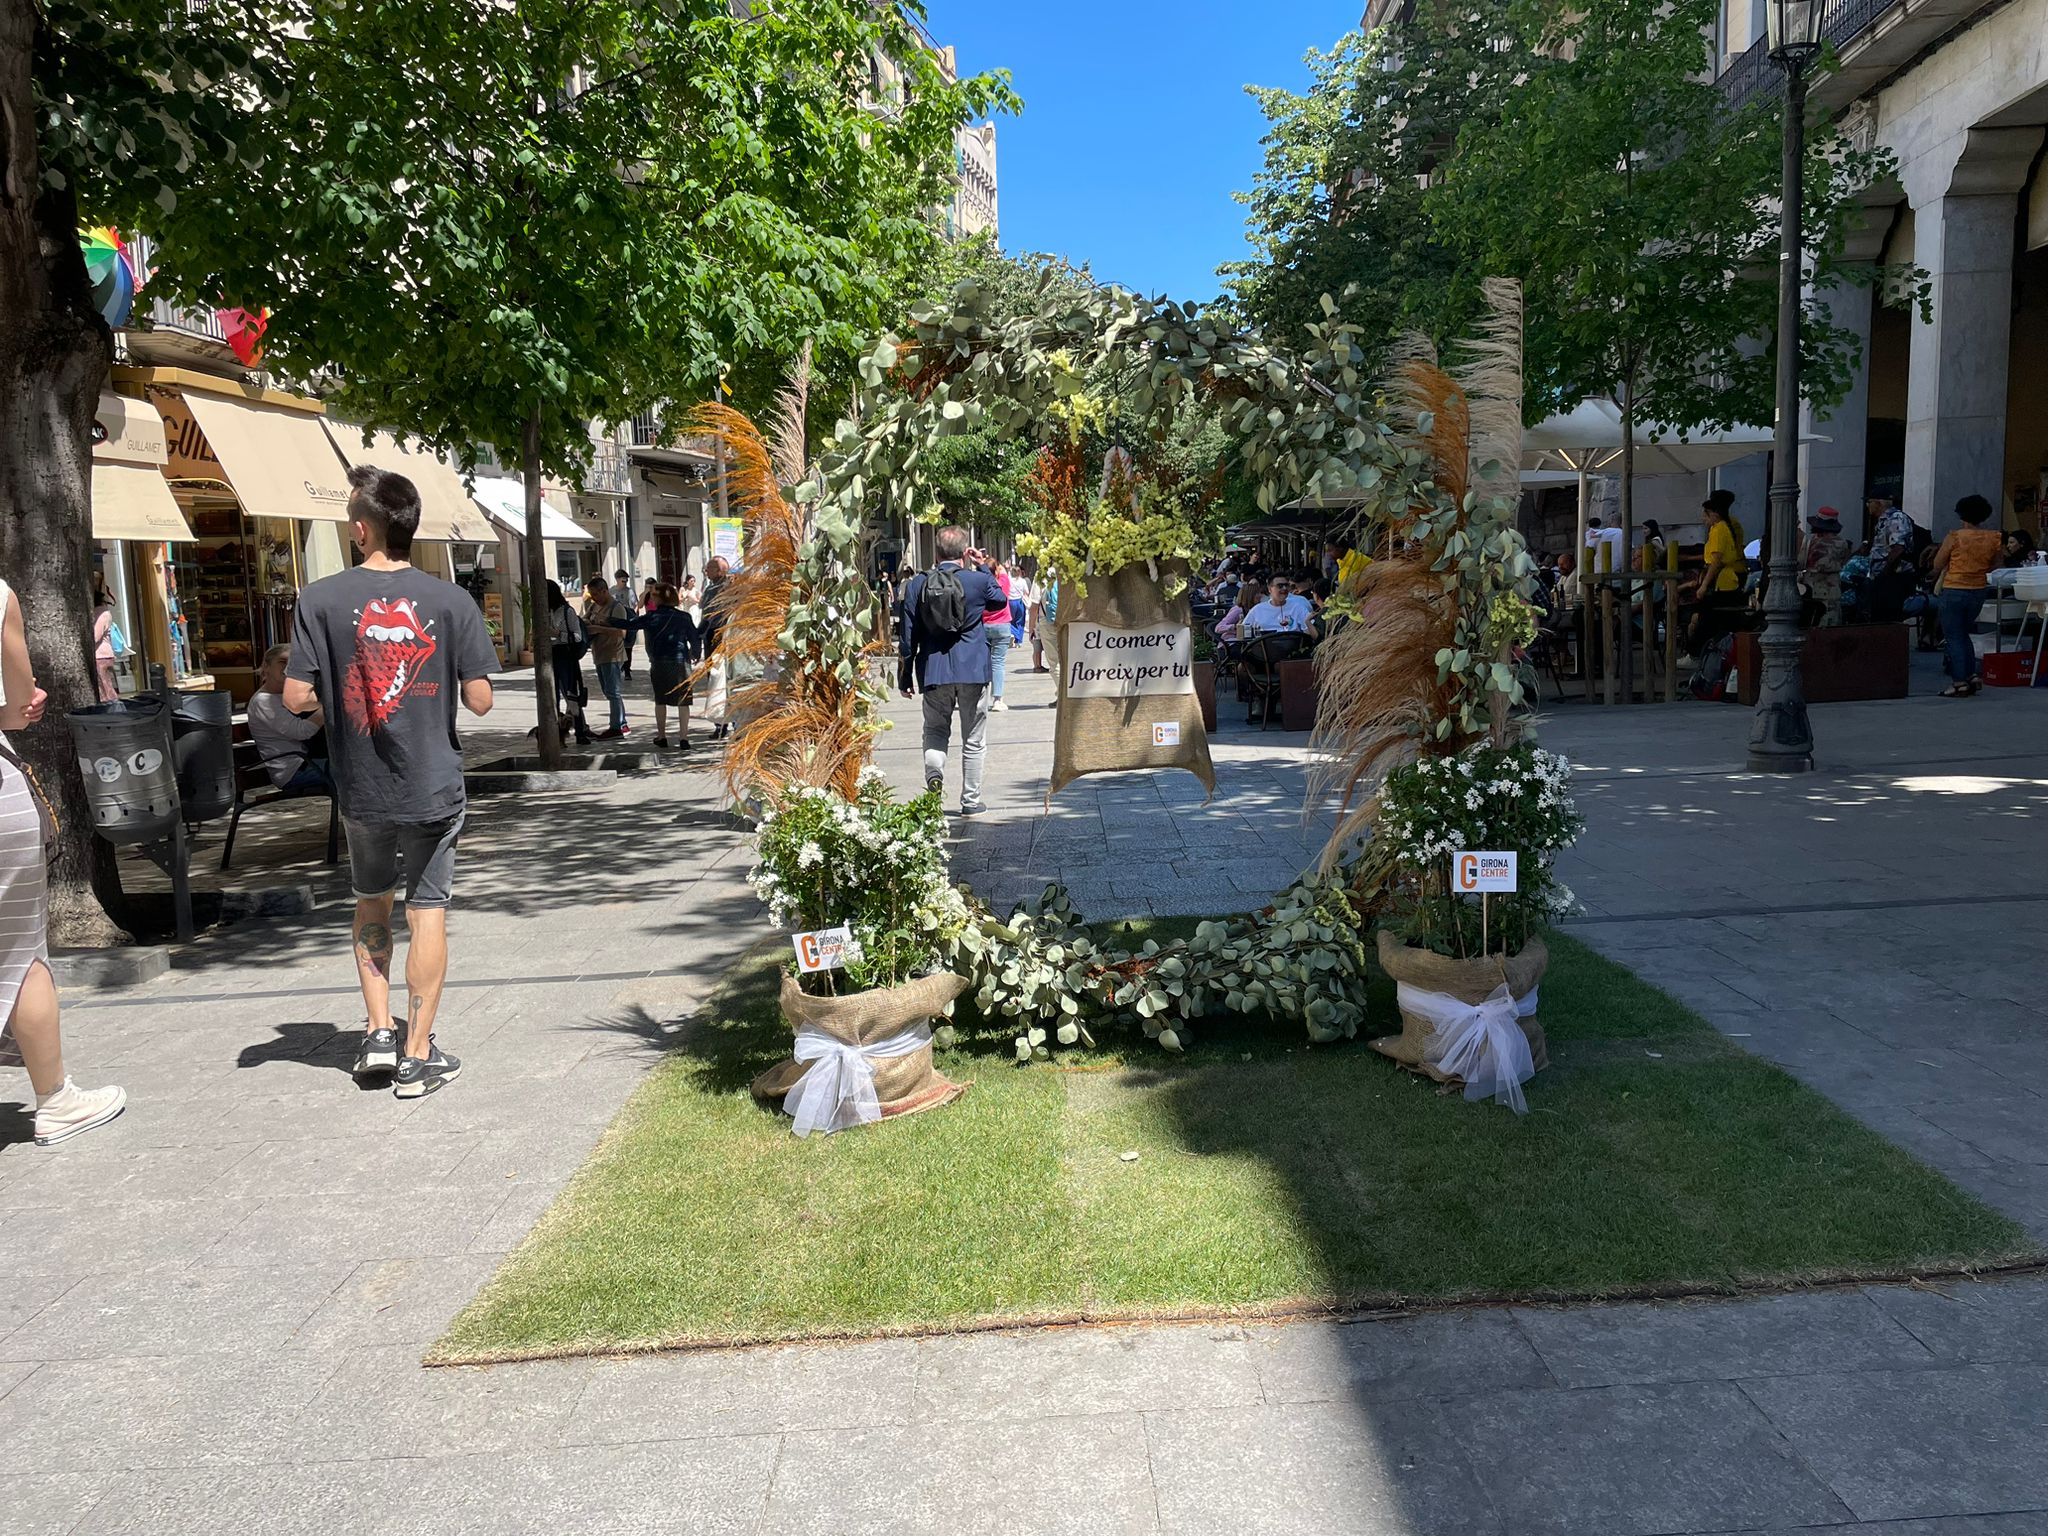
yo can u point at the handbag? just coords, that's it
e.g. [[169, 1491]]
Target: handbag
[[46, 814]]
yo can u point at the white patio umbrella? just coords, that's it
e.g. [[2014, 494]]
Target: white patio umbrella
[[1586, 440]]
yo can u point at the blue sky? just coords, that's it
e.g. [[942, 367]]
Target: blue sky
[[1136, 128]]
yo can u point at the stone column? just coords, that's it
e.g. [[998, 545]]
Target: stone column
[[1831, 473], [1956, 387]]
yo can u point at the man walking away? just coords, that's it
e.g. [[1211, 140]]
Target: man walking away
[[384, 651], [622, 593], [946, 616], [601, 609]]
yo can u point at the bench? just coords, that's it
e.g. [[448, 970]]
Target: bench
[[253, 791]]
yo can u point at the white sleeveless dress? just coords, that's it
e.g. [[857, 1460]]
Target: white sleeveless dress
[[24, 885]]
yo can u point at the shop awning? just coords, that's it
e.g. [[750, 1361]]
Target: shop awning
[[130, 497], [279, 461], [128, 431], [447, 515], [505, 500], [134, 501]]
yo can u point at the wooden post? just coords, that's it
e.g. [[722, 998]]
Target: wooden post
[[1607, 637], [1671, 624]]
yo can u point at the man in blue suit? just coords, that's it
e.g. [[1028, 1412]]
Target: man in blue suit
[[945, 653]]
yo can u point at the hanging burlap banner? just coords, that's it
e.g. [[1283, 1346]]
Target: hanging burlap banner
[[1127, 680]]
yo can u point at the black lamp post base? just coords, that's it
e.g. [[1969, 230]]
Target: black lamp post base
[[1781, 740]]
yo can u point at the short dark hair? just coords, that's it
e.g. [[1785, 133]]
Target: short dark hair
[[388, 503], [620, 576], [1974, 510]]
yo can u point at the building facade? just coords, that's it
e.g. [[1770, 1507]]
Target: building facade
[[1951, 401]]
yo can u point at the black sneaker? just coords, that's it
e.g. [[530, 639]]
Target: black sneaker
[[973, 810], [419, 1076], [379, 1053], [933, 782]]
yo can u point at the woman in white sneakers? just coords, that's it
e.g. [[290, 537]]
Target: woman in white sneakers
[[28, 992]]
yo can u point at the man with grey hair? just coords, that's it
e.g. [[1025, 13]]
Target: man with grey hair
[[946, 612]]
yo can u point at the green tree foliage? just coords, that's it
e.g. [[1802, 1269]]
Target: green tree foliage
[[107, 107], [1586, 152], [1640, 213], [1338, 206], [488, 223]]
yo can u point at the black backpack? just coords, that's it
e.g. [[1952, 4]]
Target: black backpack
[[942, 605], [578, 643]]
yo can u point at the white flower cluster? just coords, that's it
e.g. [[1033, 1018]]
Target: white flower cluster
[[822, 860]]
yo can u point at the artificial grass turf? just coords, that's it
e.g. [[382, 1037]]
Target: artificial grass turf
[[1658, 1156]]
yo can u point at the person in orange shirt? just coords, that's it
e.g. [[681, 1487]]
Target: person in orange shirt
[[1962, 569]]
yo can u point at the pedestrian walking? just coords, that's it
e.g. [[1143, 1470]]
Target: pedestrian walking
[[105, 641], [1024, 588], [601, 606], [674, 645], [1962, 570], [999, 638], [1049, 625], [385, 651], [650, 596], [946, 657], [29, 1031], [712, 626], [568, 644], [622, 594]]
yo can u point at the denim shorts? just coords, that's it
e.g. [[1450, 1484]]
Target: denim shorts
[[376, 849]]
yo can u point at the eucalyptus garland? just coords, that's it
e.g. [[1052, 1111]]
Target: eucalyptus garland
[[1300, 961]]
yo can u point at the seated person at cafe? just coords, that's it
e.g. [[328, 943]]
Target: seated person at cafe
[[1283, 612], [293, 747], [1229, 628]]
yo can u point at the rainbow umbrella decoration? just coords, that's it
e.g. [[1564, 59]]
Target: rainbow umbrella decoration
[[113, 277]]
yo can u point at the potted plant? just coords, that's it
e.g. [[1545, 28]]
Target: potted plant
[[876, 867], [1478, 953]]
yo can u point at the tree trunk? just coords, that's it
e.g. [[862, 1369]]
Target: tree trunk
[[54, 354], [546, 714]]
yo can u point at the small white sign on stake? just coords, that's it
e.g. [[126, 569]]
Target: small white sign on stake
[[825, 949], [1166, 733], [1480, 873]]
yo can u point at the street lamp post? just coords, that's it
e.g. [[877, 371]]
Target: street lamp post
[[1781, 738]]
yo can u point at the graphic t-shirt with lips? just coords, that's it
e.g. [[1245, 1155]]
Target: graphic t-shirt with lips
[[388, 652]]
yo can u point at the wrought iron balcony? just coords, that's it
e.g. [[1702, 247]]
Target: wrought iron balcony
[[1843, 23]]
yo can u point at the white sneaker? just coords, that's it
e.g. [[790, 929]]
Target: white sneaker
[[72, 1110], [999, 704]]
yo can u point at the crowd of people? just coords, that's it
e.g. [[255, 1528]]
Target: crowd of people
[[1899, 573]]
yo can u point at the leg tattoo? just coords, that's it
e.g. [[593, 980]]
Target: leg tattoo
[[373, 940]]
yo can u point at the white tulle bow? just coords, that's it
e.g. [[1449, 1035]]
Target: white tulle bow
[[1483, 1044], [839, 1089]]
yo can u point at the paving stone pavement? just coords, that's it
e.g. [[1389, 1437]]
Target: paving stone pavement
[[211, 1314]]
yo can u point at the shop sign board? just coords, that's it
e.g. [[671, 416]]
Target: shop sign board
[[1109, 663]]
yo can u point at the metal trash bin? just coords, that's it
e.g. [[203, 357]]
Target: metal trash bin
[[203, 747], [125, 756]]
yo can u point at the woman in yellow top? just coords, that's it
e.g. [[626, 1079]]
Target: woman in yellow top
[[1962, 568], [1717, 596]]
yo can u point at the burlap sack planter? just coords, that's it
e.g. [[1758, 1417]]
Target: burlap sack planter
[[904, 1084], [1111, 735], [1469, 981]]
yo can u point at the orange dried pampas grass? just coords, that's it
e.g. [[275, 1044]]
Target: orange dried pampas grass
[[798, 724], [1380, 696]]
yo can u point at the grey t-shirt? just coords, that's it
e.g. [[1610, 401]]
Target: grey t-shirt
[[388, 652]]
